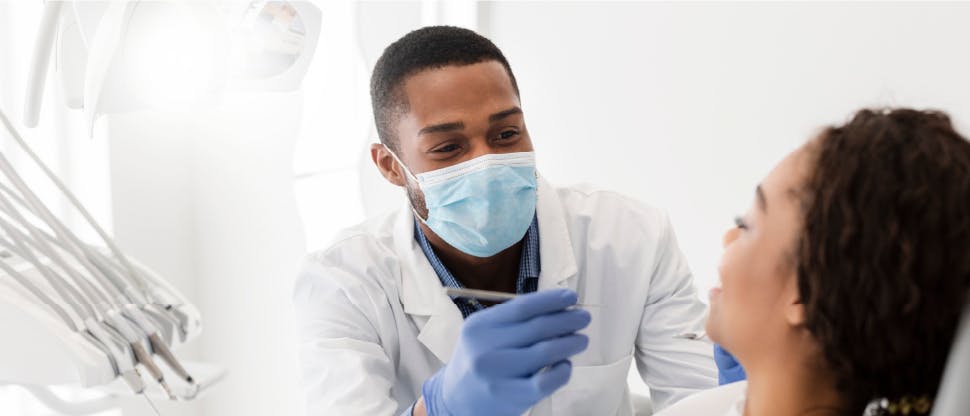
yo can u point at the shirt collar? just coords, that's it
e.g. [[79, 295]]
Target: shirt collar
[[529, 266]]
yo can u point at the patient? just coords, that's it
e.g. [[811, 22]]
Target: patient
[[842, 285]]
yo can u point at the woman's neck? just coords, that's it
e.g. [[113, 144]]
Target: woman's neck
[[785, 383]]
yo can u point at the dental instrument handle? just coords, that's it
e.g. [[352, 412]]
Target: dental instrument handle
[[691, 335], [145, 359], [109, 242], [487, 295]]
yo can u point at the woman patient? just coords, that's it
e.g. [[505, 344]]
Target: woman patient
[[842, 285]]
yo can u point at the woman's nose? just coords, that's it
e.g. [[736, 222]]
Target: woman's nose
[[730, 236]]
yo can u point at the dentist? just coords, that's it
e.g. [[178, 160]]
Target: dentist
[[380, 337]]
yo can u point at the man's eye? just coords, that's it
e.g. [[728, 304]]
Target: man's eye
[[447, 148], [508, 134]]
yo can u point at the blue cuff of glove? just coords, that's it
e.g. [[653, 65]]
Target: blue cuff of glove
[[731, 375], [433, 402], [729, 370]]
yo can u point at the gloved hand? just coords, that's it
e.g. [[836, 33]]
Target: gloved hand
[[499, 365], [729, 369]]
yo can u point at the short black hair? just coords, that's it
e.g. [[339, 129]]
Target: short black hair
[[430, 47]]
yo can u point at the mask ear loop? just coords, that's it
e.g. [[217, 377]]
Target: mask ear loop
[[407, 175], [407, 172]]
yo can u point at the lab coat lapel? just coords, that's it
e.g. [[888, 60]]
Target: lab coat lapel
[[441, 331], [555, 246], [421, 292]]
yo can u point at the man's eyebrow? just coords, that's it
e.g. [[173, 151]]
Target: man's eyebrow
[[762, 202], [503, 114], [457, 125], [442, 128]]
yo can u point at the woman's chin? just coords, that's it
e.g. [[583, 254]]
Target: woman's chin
[[713, 314], [711, 330]]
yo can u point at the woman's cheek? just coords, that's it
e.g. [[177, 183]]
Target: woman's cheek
[[727, 268], [724, 271], [734, 270]]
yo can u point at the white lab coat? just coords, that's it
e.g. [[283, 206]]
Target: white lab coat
[[726, 400], [375, 323]]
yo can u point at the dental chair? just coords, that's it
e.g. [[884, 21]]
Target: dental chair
[[953, 398]]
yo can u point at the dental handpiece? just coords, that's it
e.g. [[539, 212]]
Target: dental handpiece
[[109, 285], [489, 296]]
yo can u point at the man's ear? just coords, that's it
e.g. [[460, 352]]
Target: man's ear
[[386, 164]]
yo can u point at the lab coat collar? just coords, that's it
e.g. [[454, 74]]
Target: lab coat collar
[[422, 293], [420, 285], [421, 290], [555, 246]]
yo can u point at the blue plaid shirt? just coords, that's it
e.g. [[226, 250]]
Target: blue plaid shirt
[[527, 282]]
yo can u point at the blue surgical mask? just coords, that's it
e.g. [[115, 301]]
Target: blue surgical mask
[[481, 206]]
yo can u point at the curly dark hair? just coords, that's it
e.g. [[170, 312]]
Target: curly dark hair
[[884, 259]]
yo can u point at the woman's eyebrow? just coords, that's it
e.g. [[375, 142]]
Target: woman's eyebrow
[[762, 202]]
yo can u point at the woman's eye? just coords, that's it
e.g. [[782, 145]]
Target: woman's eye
[[508, 134], [740, 223]]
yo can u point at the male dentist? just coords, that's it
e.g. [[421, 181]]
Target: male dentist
[[380, 337]]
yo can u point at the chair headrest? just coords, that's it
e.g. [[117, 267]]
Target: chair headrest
[[952, 398]]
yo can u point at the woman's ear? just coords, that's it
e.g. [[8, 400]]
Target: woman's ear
[[794, 308], [385, 164], [795, 314]]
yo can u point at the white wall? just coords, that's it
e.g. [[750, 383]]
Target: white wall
[[687, 106]]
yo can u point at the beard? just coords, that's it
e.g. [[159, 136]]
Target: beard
[[416, 198]]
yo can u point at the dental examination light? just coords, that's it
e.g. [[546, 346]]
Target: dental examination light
[[121, 56]]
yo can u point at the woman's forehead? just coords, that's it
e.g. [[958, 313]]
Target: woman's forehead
[[787, 176]]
